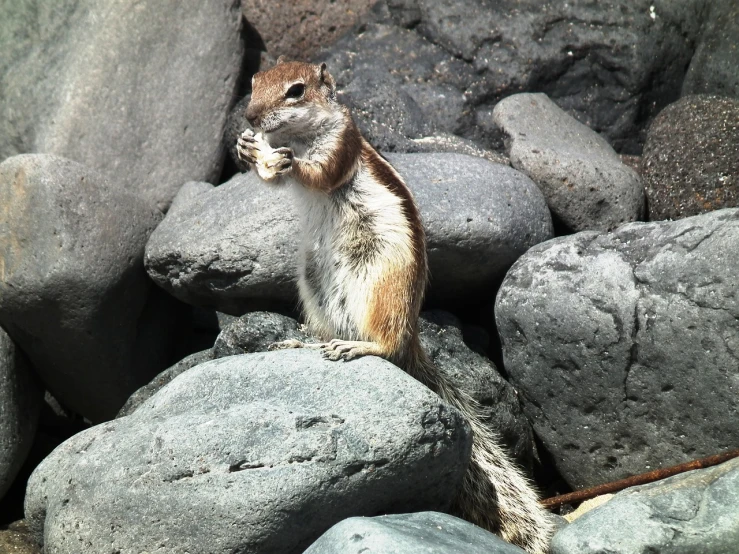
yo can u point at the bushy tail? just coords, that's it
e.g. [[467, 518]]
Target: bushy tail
[[495, 494]]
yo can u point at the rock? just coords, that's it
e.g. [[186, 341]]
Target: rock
[[584, 181], [20, 404], [691, 160], [73, 291], [15, 539], [255, 331], [441, 338], [612, 65], [624, 346], [713, 66], [262, 452], [696, 511], [224, 247], [299, 29], [234, 245], [420, 533], [147, 391], [119, 88]]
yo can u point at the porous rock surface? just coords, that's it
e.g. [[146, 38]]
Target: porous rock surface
[[441, 338], [116, 86], [583, 179], [73, 291], [697, 511], [421, 66], [20, 404], [691, 157], [624, 346], [236, 243], [419, 533], [251, 453]]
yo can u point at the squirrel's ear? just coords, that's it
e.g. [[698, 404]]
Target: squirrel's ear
[[327, 79], [281, 59]]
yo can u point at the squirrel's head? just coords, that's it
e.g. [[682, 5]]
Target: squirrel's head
[[297, 96]]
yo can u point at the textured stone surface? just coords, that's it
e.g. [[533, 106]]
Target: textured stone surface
[[625, 346], [73, 290], [20, 404], [420, 533], [15, 539], [613, 65], [251, 453], [118, 87], [713, 68], [147, 391], [691, 157], [299, 29], [584, 181], [694, 512], [441, 338], [232, 245]]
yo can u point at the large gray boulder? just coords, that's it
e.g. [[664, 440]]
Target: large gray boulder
[[625, 345], [420, 533], [691, 157], [441, 338], [73, 291], [230, 246], [694, 512], [255, 453], [117, 86], [20, 405], [583, 179]]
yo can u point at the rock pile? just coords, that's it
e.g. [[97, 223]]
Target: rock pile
[[127, 236]]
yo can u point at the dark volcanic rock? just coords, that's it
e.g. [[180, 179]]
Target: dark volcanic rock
[[20, 404], [298, 29], [625, 346], [421, 533], [230, 246], [255, 331], [119, 88], [613, 65], [584, 181], [691, 158], [694, 512], [713, 69], [253, 453], [73, 290]]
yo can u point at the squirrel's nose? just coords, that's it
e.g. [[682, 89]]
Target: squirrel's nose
[[252, 117]]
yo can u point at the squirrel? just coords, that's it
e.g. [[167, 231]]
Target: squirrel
[[363, 268]]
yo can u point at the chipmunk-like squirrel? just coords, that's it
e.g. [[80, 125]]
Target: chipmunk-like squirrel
[[363, 270]]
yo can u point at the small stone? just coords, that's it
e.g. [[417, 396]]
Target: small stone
[[419, 533], [584, 181], [691, 158]]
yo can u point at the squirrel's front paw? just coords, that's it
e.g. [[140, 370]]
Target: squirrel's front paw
[[247, 147], [275, 164]]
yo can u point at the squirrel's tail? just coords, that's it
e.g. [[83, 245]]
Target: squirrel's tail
[[495, 494]]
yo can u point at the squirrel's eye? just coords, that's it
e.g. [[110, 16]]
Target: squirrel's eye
[[295, 91]]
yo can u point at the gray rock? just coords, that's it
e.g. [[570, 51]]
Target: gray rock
[[147, 391], [236, 245], [225, 247], [691, 158], [612, 65], [584, 181], [713, 66], [255, 331], [73, 291], [625, 346], [420, 533], [118, 87], [694, 512], [252, 453], [20, 405]]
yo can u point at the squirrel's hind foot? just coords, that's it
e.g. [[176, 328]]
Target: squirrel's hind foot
[[348, 349]]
